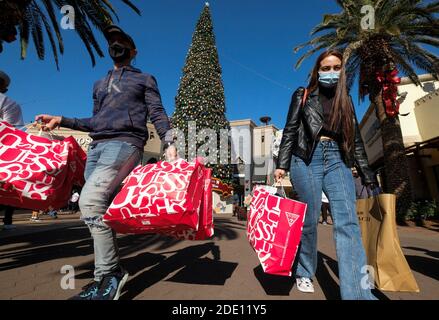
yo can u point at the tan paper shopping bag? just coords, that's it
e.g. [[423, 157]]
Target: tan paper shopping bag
[[377, 218]]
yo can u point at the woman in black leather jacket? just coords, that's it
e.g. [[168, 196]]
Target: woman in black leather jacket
[[321, 143]]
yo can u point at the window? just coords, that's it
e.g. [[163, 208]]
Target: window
[[436, 175]]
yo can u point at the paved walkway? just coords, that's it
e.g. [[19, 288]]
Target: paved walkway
[[225, 268]]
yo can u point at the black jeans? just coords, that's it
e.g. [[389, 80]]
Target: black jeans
[[9, 211]]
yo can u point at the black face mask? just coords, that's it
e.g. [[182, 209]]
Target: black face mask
[[119, 52]]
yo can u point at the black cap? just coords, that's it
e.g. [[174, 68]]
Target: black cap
[[108, 31]]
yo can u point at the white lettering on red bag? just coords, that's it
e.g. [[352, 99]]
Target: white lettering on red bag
[[155, 189], [264, 218], [30, 163]]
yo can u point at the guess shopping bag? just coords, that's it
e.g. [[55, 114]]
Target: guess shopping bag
[[159, 198], [206, 225], [37, 173], [274, 229]]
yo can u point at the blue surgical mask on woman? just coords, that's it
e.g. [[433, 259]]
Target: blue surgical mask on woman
[[329, 79]]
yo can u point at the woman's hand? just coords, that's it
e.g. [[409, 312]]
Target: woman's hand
[[279, 175], [374, 189]]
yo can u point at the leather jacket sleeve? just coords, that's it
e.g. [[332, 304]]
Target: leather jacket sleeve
[[360, 156], [290, 132]]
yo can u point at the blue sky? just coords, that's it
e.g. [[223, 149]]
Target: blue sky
[[255, 40]]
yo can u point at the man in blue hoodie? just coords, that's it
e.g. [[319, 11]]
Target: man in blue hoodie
[[123, 101]]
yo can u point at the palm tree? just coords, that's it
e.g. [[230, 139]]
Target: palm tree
[[404, 30], [31, 17]]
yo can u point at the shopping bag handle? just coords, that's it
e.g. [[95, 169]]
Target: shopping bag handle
[[373, 192], [282, 186], [26, 127], [40, 132]]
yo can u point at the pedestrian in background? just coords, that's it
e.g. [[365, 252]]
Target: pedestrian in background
[[325, 209], [73, 202]]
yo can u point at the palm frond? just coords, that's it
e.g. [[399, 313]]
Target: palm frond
[[132, 6], [404, 65], [35, 18], [310, 53], [49, 34], [402, 27], [36, 30], [111, 8], [432, 7], [24, 30], [51, 13]]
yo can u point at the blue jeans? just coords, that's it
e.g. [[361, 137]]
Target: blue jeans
[[329, 173], [108, 164]]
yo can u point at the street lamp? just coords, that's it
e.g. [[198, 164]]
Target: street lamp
[[265, 120]]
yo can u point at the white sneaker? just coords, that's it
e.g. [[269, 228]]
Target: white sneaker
[[305, 285]]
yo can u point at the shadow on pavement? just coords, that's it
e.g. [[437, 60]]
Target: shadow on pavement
[[205, 272], [187, 259], [329, 286], [327, 283], [76, 241], [427, 266], [226, 229], [282, 286], [59, 244], [433, 254], [274, 285]]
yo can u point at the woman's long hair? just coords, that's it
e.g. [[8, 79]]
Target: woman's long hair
[[342, 111]]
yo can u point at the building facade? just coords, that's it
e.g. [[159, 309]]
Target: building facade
[[152, 151], [420, 132], [254, 156]]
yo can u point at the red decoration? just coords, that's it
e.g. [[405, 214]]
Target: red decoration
[[223, 189], [389, 81]]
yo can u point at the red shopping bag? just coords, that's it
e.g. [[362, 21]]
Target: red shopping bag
[[159, 198], [37, 173], [206, 225], [274, 230], [206, 229]]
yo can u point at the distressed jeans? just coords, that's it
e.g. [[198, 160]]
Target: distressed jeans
[[329, 173], [108, 164]]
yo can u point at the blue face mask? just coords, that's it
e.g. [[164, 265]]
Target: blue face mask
[[329, 79]]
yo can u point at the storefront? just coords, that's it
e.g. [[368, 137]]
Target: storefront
[[420, 133]]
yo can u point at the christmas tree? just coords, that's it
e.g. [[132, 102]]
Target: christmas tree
[[200, 101]]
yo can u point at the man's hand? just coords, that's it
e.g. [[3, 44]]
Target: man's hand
[[171, 154], [279, 175], [50, 122]]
